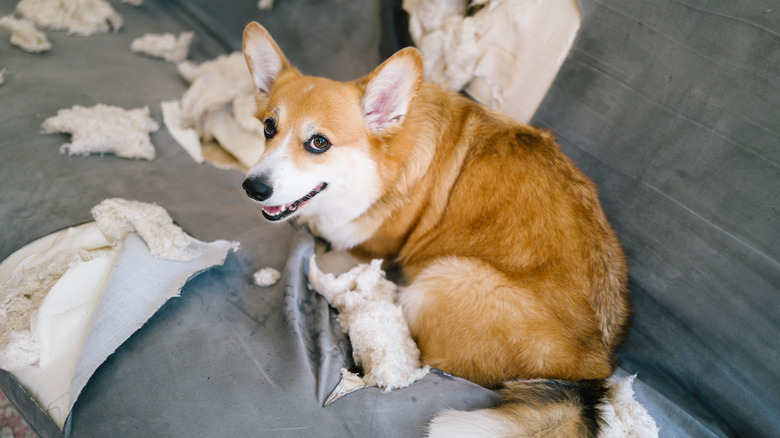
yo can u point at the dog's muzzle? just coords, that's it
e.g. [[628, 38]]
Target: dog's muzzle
[[257, 188]]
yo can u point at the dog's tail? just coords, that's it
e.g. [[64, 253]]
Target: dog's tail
[[531, 408]]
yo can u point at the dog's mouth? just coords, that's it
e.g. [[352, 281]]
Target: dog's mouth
[[279, 212]]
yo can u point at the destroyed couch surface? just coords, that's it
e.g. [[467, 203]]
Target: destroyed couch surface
[[672, 108]]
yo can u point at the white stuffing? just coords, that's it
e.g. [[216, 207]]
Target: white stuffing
[[623, 416], [446, 39], [23, 294], [232, 67], [264, 5], [215, 84], [25, 35], [219, 105], [77, 17], [207, 93], [105, 129], [381, 341], [266, 277], [503, 53], [2, 76], [244, 109], [21, 349], [117, 217], [166, 46]]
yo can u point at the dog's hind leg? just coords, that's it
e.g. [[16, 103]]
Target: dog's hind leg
[[474, 321]]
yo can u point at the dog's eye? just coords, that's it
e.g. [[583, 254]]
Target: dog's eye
[[269, 127], [318, 144]]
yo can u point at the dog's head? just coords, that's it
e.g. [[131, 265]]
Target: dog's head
[[324, 139]]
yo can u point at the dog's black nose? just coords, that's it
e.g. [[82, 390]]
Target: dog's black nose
[[257, 188]]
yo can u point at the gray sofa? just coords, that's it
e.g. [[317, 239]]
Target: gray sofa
[[672, 108]]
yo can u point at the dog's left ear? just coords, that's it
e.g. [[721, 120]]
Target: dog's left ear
[[263, 56], [391, 88]]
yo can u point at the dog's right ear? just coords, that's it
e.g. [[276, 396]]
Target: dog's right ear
[[263, 56], [391, 88]]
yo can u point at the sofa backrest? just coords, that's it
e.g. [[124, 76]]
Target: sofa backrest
[[673, 108]]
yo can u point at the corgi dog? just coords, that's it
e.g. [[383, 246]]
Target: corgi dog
[[513, 277]]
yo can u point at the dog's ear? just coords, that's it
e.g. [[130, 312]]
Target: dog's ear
[[391, 88], [263, 56]]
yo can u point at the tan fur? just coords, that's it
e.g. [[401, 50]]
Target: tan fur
[[513, 271], [523, 275]]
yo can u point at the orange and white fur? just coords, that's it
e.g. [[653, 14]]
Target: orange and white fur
[[514, 278]]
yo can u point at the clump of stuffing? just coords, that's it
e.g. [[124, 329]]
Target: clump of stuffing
[[381, 341], [21, 349], [25, 35], [447, 40], [504, 54], [77, 17], [266, 277], [231, 67], [219, 105], [623, 416], [215, 84], [117, 217], [23, 293], [265, 5], [105, 129], [166, 46]]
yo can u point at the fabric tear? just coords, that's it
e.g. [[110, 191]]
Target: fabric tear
[[25, 283], [24, 293], [69, 299]]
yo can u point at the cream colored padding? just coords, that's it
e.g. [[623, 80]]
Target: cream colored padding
[[218, 105], [505, 54], [71, 298]]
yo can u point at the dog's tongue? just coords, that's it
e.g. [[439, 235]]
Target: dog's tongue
[[272, 209]]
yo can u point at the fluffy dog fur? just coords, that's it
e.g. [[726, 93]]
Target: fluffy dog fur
[[514, 276]]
